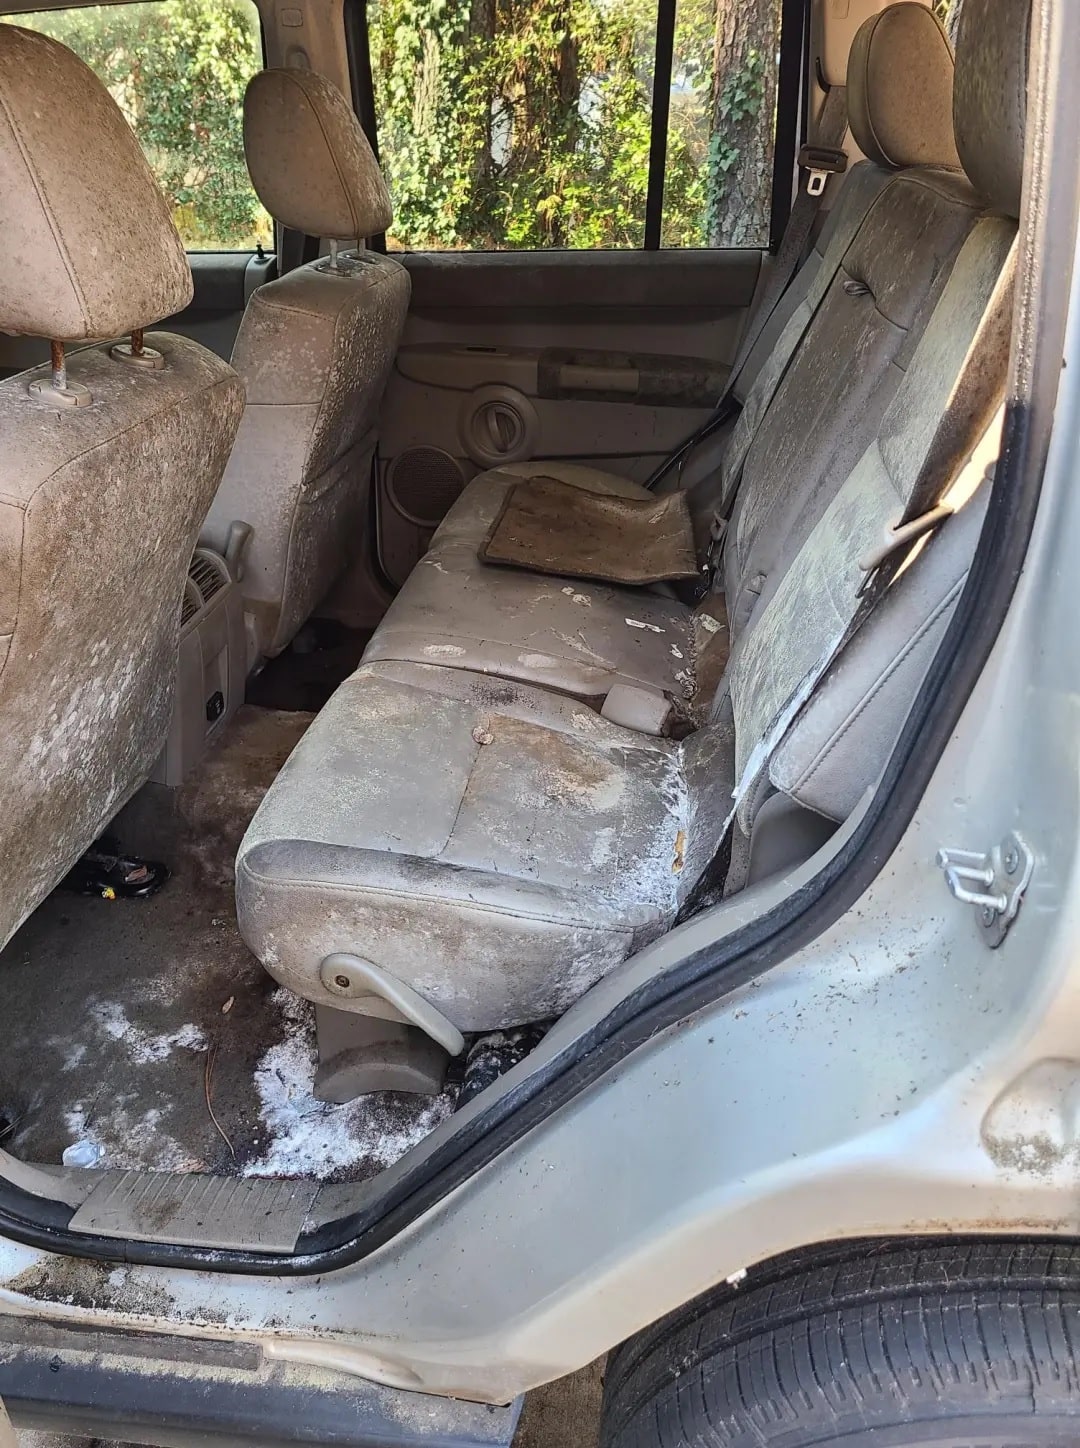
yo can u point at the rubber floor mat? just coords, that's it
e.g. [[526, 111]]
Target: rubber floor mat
[[547, 526]]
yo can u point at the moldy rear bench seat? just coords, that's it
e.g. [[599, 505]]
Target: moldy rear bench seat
[[491, 847]]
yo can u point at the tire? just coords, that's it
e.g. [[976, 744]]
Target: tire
[[956, 1345]]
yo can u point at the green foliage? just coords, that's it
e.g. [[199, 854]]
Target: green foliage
[[740, 101], [502, 123], [526, 123], [178, 69]]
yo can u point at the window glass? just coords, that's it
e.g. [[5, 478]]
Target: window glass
[[718, 174], [526, 123], [514, 123], [178, 69]]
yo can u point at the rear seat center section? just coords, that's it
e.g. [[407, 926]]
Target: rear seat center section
[[463, 820]]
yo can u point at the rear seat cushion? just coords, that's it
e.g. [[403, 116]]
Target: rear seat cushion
[[497, 847], [575, 636]]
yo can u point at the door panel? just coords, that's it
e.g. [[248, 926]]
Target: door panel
[[608, 358]]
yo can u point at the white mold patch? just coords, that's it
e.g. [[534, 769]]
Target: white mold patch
[[582, 598], [142, 1047], [305, 1137]]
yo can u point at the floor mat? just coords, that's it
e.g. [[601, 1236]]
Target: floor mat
[[146, 1026]]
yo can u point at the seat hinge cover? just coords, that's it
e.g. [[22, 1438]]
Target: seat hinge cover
[[994, 882]]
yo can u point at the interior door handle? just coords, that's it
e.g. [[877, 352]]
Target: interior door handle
[[504, 425]]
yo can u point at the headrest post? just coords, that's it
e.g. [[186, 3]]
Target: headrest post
[[136, 353], [58, 390], [59, 365], [335, 265]]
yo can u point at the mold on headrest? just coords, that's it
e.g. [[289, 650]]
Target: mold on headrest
[[990, 101], [309, 160], [900, 89], [90, 249]]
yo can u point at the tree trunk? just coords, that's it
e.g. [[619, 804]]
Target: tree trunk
[[743, 111]]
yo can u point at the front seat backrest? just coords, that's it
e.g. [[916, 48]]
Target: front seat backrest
[[108, 462], [315, 351]]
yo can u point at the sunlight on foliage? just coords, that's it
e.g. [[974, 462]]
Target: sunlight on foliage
[[502, 123], [178, 70], [526, 123]]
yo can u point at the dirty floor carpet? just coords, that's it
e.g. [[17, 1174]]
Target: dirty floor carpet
[[147, 1029]]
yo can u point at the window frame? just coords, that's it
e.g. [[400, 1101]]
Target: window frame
[[794, 49]]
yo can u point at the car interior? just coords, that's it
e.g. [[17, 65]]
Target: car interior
[[392, 645]]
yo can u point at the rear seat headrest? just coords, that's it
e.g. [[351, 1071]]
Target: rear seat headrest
[[900, 89], [309, 160], [990, 102], [87, 246]]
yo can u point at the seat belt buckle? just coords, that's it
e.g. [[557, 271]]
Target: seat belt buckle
[[821, 162], [717, 533]]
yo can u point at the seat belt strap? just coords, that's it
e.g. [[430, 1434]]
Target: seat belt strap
[[818, 161]]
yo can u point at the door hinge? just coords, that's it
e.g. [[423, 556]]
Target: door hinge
[[993, 882]]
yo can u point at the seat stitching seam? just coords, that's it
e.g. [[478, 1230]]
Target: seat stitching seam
[[274, 882], [46, 205]]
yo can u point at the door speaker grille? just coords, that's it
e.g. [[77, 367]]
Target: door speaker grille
[[423, 483]]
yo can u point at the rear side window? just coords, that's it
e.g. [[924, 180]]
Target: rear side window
[[507, 124], [178, 70]]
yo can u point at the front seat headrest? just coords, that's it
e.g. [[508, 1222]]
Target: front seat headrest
[[87, 246], [991, 97], [310, 162], [900, 89]]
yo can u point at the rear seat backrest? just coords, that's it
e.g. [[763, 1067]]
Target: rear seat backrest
[[820, 395], [847, 729], [899, 101], [794, 626]]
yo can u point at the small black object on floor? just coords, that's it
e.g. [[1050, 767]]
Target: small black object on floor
[[304, 675], [107, 871], [492, 1055]]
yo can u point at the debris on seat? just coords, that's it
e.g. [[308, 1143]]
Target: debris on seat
[[548, 526]]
